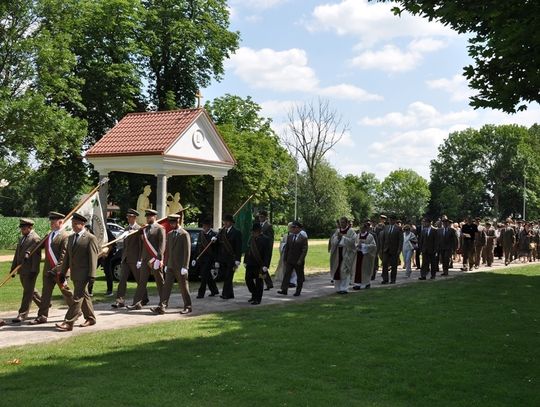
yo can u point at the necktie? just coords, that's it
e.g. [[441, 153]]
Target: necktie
[[23, 240], [391, 229], [428, 231], [53, 234], [75, 240]]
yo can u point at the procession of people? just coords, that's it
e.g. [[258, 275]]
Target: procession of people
[[430, 247]]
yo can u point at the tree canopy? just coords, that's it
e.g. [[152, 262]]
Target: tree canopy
[[504, 44], [405, 194], [482, 172]]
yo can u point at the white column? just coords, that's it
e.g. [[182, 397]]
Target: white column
[[161, 195], [218, 201], [104, 194]]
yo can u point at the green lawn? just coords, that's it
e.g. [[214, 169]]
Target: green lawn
[[468, 341], [10, 294]]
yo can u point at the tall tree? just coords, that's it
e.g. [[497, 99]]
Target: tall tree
[[362, 192], [264, 167], [405, 194], [186, 42], [504, 41], [483, 172], [314, 128], [319, 211]]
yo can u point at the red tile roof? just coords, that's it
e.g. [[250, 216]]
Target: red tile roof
[[147, 133]]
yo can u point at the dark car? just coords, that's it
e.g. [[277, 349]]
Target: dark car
[[193, 274]]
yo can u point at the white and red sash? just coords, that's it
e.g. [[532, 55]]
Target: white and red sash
[[51, 257], [149, 248]]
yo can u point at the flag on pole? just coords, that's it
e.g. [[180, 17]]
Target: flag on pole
[[243, 221], [93, 211]]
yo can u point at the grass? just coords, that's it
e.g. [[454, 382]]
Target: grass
[[469, 341], [10, 294]]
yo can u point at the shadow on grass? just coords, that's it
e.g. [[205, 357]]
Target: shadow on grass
[[472, 340]]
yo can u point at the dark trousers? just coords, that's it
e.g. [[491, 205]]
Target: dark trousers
[[143, 282], [127, 269], [49, 282], [228, 275], [207, 279], [82, 303], [390, 260], [28, 282], [171, 276], [254, 282], [418, 258], [289, 268], [430, 262], [468, 253], [446, 258], [107, 269]]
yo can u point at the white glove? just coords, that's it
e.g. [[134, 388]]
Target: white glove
[[236, 263], [265, 269], [139, 264], [193, 262], [213, 239], [183, 271], [216, 265], [156, 264]]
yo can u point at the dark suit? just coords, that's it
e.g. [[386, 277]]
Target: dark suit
[[479, 243], [58, 247], [508, 240], [448, 243], [257, 256], [391, 243], [28, 271], [177, 253], [81, 260], [376, 234], [268, 230], [294, 257], [228, 253], [467, 244], [131, 249], [155, 234], [429, 247], [206, 262]]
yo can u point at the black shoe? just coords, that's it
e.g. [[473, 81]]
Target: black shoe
[[144, 302], [200, 296], [268, 288], [255, 302], [367, 286], [213, 294], [118, 305], [134, 307], [432, 278], [421, 278], [291, 285], [393, 282], [356, 287], [297, 294], [282, 292], [384, 282], [251, 300]]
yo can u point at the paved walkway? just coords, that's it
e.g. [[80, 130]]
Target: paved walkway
[[109, 318]]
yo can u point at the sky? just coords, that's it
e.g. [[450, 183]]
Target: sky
[[396, 81]]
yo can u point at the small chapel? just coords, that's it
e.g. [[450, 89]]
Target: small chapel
[[165, 144]]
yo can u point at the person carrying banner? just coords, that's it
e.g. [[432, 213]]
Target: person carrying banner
[[151, 258], [206, 259], [257, 261], [229, 241], [81, 260], [131, 249], [55, 248], [29, 267], [177, 253]]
